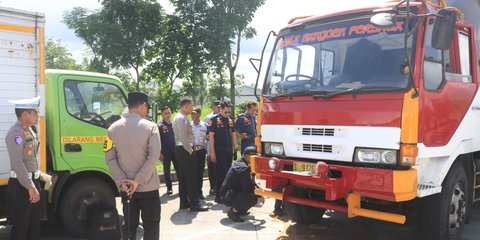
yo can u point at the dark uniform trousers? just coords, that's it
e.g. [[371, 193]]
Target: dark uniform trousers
[[224, 162], [169, 159], [243, 201], [211, 175], [148, 203], [200, 159], [187, 177], [24, 216]]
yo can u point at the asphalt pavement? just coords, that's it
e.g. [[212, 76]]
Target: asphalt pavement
[[261, 225]]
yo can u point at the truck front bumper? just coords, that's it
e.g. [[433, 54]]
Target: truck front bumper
[[342, 182]]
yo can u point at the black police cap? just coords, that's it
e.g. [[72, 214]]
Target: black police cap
[[137, 97], [250, 150]]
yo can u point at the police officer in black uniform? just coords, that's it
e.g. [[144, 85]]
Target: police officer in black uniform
[[238, 188], [223, 143], [167, 137], [246, 126]]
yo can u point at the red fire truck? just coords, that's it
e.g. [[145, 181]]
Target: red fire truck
[[375, 112]]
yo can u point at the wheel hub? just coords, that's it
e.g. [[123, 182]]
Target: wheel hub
[[457, 209]]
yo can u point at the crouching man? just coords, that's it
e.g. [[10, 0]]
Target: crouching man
[[237, 190]]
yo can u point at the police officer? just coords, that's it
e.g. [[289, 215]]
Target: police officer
[[24, 183], [246, 126], [238, 188], [222, 143], [210, 164], [132, 150], [184, 154], [199, 146], [167, 137]]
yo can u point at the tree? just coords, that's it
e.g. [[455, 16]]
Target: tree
[[169, 58], [193, 15], [120, 32], [57, 56], [229, 23]]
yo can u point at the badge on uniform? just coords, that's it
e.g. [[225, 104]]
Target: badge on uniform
[[185, 121], [18, 139], [108, 144]]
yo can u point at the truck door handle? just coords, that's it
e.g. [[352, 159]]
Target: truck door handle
[[72, 147], [476, 108]]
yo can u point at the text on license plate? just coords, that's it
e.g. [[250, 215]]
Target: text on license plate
[[305, 167]]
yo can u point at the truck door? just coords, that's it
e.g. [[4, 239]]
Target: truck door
[[450, 84], [91, 105]]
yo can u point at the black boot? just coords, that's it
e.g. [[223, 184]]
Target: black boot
[[234, 216]]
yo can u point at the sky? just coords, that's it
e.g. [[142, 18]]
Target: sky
[[273, 15]]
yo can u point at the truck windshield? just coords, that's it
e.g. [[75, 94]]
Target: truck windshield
[[335, 58]]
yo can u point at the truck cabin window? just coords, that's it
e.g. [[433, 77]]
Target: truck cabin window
[[100, 104], [335, 57]]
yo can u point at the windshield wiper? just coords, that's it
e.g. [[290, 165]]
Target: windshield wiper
[[355, 90], [296, 93]]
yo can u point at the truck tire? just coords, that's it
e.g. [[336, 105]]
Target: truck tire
[[443, 216], [74, 203], [303, 214]]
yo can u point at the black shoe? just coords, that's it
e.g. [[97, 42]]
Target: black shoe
[[169, 192], [243, 213], [234, 216], [198, 209], [201, 197], [184, 206], [212, 192], [278, 212]]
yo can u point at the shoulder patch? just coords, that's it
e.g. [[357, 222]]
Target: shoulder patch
[[18, 139], [108, 144]]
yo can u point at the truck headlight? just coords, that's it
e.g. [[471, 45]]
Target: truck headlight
[[380, 156], [274, 149]]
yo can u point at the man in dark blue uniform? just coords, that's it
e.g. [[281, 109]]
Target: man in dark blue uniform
[[237, 190], [223, 143], [246, 126], [167, 137]]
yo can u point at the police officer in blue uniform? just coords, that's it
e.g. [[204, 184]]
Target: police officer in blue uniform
[[167, 137], [246, 126], [237, 190], [223, 143]]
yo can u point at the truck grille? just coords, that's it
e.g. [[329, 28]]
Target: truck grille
[[317, 148], [318, 131]]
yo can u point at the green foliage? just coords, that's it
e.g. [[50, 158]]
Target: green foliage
[[120, 32], [58, 57], [242, 107]]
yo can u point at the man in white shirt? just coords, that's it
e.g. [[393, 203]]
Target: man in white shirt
[[210, 164], [199, 146]]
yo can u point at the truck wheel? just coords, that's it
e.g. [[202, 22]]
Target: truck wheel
[[444, 214], [77, 198], [303, 214]]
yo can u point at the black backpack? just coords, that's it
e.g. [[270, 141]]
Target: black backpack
[[102, 222]]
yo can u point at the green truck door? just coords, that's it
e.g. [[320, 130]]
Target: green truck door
[[90, 106]]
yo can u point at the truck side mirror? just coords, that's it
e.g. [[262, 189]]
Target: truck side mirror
[[443, 29]]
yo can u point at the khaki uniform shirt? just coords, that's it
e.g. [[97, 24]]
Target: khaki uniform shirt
[[132, 150], [22, 146], [183, 131]]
